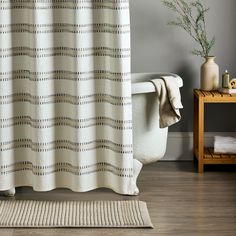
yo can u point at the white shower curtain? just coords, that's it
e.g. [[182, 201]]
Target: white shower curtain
[[65, 95]]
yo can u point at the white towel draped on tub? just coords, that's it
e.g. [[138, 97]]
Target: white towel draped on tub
[[168, 92]]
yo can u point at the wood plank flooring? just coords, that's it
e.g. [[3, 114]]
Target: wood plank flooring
[[180, 201]]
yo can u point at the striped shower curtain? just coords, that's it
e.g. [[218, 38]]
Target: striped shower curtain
[[65, 95]]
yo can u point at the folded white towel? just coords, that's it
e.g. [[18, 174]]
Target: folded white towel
[[224, 144], [170, 100]]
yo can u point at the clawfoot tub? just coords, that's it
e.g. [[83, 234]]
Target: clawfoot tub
[[148, 139]]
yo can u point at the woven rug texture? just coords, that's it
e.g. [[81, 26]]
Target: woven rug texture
[[30, 213]]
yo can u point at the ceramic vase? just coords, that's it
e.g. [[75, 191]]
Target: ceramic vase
[[209, 74]]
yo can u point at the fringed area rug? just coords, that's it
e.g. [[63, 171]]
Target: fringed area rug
[[29, 213]]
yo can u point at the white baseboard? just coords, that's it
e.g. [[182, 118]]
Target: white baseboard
[[180, 144]]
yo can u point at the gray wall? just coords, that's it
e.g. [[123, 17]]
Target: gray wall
[[162, 48]]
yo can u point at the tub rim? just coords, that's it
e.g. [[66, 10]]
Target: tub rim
[[142, 87]]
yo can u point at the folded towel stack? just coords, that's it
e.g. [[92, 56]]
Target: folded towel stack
[[224, 144]]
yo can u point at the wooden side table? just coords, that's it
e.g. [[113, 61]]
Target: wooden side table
[[206, 155]]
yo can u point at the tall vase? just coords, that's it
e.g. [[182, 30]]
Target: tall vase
[[209, 74]]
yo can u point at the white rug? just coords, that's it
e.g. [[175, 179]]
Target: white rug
[[29, 213]]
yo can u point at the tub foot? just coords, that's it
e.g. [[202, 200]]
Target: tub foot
[[9, 193]]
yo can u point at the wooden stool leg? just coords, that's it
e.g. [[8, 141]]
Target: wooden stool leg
[[195, 127], [200, 135]]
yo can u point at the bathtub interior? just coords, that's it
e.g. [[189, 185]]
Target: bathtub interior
[[149, 139]]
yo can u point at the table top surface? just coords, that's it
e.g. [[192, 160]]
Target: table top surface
[[214, 94]]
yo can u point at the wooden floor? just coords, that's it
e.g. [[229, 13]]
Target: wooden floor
[[180, 202]]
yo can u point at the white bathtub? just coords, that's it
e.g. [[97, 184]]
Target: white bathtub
[[149, 140]]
